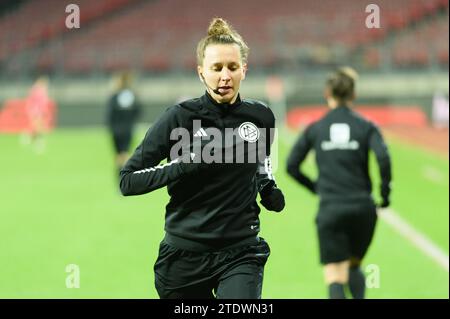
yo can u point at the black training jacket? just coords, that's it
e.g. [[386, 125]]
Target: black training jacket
[[341, 141], [123, 111], [218, 202]]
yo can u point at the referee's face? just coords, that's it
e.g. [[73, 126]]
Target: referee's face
[[223, 71]]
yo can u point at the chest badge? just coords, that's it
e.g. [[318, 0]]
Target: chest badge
[[248, 132]]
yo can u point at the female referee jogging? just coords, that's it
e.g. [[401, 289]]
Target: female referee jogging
[[211, 247], [347, 213]]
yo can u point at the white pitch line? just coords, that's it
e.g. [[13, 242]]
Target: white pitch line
[[402, 227], [418, 239]]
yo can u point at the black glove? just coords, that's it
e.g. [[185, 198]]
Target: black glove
[[272, 198]]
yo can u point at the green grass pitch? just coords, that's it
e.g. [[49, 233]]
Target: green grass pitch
[[63, 207]]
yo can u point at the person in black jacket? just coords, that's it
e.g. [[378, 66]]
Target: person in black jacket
[[122, 114], [217, 148], [347, 214]]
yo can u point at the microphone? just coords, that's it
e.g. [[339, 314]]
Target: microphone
[[216, 90]]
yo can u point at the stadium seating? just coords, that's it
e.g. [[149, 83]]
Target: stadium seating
[[417, 46], [161, 35], [31, 25]]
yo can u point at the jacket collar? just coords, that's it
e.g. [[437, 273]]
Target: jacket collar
[[341, 108], [221, 108]]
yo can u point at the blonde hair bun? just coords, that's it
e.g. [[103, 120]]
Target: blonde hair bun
[[219, 26]]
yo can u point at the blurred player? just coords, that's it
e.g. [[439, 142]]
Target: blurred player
[[212, 224], [122, 114], [347, 213], [37, 106], [440, 111]]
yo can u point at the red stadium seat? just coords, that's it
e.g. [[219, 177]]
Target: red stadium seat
[[162, 34]]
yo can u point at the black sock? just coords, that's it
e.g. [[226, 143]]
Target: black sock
[[336, 291], [357, 283]]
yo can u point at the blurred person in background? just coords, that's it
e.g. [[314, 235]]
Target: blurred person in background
[[440, 111], [211, 248], [38, 110], [347, 213], [123, 112]]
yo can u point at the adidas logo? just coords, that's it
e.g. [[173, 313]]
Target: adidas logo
[[200, 133]]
